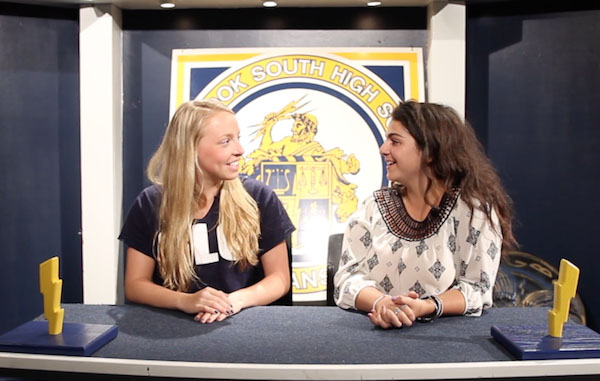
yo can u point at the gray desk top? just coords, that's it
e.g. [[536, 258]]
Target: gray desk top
[[296, 343], [298, 335]]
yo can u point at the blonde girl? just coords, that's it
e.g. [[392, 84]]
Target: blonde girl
[[200, 239]]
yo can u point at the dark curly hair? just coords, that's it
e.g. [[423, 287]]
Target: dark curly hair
[[457, 159]]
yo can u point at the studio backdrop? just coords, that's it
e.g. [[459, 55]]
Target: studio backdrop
[[311, 122]]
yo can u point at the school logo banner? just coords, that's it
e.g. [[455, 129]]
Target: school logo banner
[[312, 121]]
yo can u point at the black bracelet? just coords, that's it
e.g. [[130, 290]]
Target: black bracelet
[[439, 310]]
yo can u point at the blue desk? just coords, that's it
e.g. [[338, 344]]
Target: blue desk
[[298, 342]]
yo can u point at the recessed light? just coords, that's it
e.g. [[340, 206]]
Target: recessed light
[[373, 3], [167, 5], [269, 4]]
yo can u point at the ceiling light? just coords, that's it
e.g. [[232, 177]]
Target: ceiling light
[[373, 3], [269, 4], [167, 4]]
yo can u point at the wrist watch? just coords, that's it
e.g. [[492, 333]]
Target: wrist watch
[[439, 310]]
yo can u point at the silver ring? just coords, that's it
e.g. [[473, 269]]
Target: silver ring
[[397, 310]]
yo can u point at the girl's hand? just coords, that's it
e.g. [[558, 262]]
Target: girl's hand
[[208, 317], [395, 312], [419, 307], [207, 300], [237, 302]]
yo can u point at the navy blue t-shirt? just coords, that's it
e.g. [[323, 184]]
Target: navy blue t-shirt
[[213, 261]]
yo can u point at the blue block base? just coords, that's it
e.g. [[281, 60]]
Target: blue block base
[[76, 339], [532, 342]]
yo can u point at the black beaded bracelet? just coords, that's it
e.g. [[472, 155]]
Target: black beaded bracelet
[[439, 310]]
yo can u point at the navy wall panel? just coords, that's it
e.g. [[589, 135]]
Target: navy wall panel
[[39, 156], [533, 94]]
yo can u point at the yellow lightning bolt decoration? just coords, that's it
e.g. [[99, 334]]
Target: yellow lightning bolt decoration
[[564, 290], [51, 288]]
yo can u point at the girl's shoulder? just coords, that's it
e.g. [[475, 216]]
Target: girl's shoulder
[[251, 182], [257, 189], [148, 199], [151, 193], [478, 207]]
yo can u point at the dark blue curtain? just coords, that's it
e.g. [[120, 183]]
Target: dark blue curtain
[[533, 95], [39, 156]]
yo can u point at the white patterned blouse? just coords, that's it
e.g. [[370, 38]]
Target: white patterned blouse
[[385, 248]]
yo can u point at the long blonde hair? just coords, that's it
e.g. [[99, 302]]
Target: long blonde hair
[[175, 169]]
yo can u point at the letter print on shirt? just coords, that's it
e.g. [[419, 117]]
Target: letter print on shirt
[[202, 254]]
